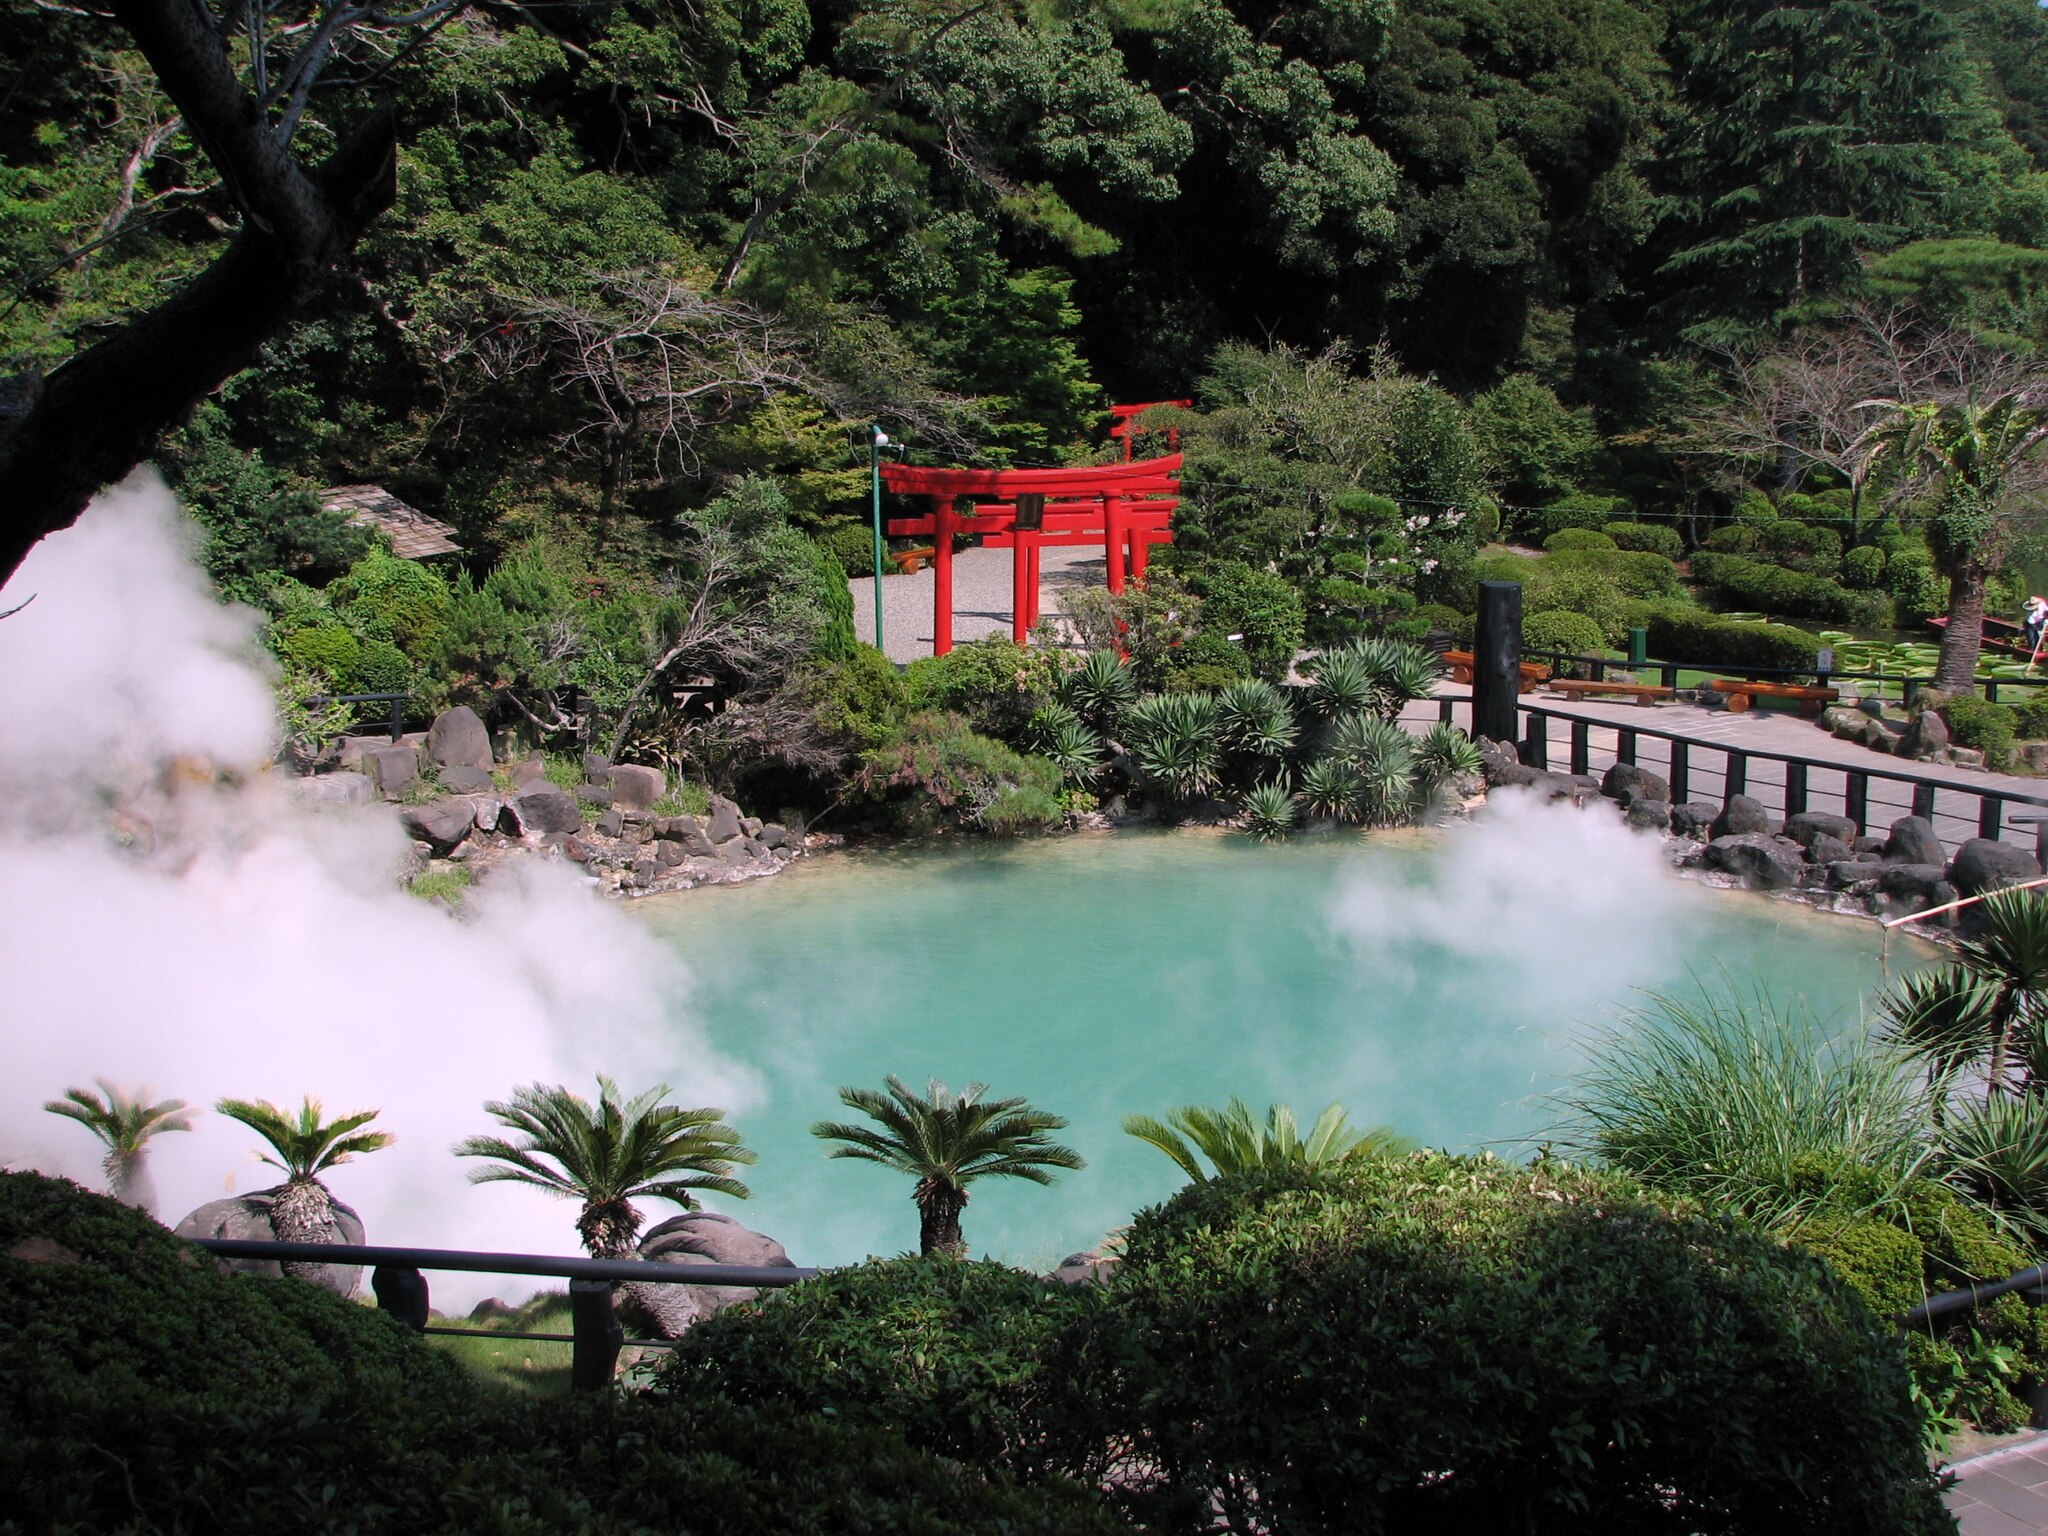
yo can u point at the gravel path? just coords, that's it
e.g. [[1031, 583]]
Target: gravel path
[[982, 597]]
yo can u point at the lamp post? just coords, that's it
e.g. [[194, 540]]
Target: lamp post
[[877, 440]]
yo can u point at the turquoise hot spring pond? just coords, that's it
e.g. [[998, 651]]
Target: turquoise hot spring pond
[[1440, 984]]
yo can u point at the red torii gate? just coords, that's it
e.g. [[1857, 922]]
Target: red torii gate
[[1127, 506], [1123, 415]]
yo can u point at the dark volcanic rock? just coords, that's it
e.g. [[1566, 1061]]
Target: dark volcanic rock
[[543, 808], [697, 1237], [1695, 818], [440, 824], [393, 770], [724, 821], [1650, 815], [1982, 865], [457, 739], [1809, 825], [1829, 850], [1765, 862], [1741, 817], [1629, 783], [467, 781], [1913, 842], [636, 787]]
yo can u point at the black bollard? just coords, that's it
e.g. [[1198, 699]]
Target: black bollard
[[402, 1293], [1497, 661], [595, 1354]]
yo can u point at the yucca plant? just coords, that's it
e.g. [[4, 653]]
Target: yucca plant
[[1381, 758], [608, 1154], [946, 1141], [1100, 689], [1269, 812], [1987, 1003], [1940, 1017], [306, 1147], [2010, 951], [1176, 741], [1998, 1150], [1340, 683], [1444, 754], [1330, 788], [1254, 718], [124, 1123], [1234, 1139], [1401, 672], [1064, 739]]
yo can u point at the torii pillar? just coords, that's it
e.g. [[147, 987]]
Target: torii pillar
[[942, 575]]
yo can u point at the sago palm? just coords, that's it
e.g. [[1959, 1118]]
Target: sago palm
[[609, 1154], [946, 1141], [1974, 449], [1235, 1139], [124, 1123], [306, 1147]]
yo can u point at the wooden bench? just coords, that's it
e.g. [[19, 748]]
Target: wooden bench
[[1534, 673], [1741, 695], [1646, 694], [912, 560]]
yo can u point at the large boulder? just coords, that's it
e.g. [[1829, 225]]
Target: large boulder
[[1926, 736], [457, 739], [440, 824], [1500, 765], [1829, 850], [467, 781], [528, 770], [1629, 783], [541, 808], [1694, 819], [724, 822], [1764, 862], [1809, 826], [697, 1237], [1742, 817], [1915, 885], [687, 831], [1983, 865], [393, 769], [1648, 815], [597, 768], [774, 835], [1912, 841], [636, 786], [246, 1218]]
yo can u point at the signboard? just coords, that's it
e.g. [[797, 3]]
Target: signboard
[[1031, 512], [1824, 661]]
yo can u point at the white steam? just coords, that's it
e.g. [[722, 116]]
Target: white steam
[[203, 934]]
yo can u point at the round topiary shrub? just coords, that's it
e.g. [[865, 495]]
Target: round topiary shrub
[[1578, 538], [1561, 630], [328, 648], [1982, 725], [1646, 538], [1863, 568], [380, 667], [1457, 1344], [854, 544]]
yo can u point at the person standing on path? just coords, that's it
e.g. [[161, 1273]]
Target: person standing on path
[[2035, 618]]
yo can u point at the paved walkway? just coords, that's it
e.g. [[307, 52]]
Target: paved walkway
[[983, 596], [1766, 730], [2003, 1492]]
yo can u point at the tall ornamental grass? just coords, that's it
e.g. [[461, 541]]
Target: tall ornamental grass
[[1729, 1101]]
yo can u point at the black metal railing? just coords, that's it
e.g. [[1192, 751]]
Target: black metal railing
[[1686, 761], [2032, 1281], [397, 701], [401, 1289]]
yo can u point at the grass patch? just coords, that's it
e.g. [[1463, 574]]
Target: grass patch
[[686, 799], [564, 770], [518, 1365], [445, 884]]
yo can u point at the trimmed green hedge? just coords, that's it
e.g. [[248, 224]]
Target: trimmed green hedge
[[1746, 583], [1978, 723], [1710, 641], [1578, 538]]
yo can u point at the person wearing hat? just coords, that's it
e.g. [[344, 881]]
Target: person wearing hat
[[2036, 617]]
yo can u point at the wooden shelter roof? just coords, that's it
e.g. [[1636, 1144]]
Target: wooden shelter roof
[[413, 534]]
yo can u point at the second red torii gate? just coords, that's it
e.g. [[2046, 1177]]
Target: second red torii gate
[[1128, 506]]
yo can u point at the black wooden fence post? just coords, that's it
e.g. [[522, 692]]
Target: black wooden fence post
[[1497, 660], [595, 1354]]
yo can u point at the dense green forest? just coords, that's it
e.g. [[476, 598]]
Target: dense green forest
[[1433, 271]]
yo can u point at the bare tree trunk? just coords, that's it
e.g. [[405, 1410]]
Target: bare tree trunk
[[938, 1219], [1963, 639], [303, 1212]]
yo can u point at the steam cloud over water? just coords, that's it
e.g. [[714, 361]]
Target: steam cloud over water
[[1548, 913], [160, 927]]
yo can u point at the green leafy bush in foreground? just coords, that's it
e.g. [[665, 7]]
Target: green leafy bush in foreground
[[143, 1390], [1439, 1343], [1978, 723], [1401, 1344]]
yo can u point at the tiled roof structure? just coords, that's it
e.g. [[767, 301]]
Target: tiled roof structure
[[413, 534]]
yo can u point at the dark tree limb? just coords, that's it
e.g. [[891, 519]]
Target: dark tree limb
[[101, 413]]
